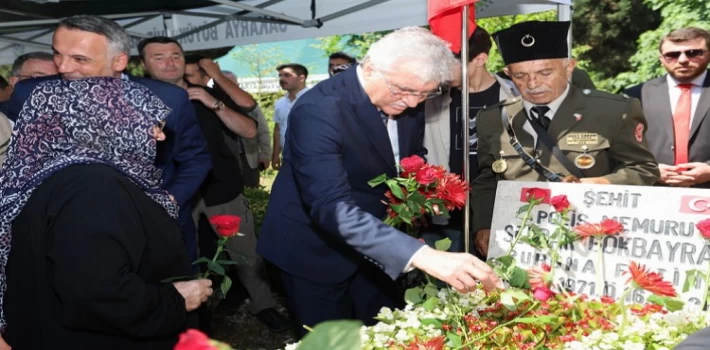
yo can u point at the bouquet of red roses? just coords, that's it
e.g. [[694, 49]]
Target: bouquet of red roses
[[419, 190]]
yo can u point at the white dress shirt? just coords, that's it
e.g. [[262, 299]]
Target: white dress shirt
[[392, 130], [554, 106], [674, 93]]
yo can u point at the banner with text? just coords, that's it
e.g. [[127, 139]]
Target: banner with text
[[659, 232]]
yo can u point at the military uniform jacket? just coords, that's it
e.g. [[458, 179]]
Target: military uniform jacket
[[612, 127]]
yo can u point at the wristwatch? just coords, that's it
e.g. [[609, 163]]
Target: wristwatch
[[218, 106]]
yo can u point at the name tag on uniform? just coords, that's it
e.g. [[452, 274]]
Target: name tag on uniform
[[581, 138]]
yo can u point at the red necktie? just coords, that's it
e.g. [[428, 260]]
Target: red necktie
[[681, 123]]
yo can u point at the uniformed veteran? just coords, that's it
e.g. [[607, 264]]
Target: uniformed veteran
[[556, 132]]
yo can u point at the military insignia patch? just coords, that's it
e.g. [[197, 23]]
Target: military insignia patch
[[639, 132]]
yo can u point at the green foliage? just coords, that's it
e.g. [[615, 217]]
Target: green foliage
[[262, 60], [611, 28], [334, 335], [645, 64], [355, 45], [5, 70], [258, 200]]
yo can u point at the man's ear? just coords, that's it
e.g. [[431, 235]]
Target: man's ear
[[120, 62], [570, 68]]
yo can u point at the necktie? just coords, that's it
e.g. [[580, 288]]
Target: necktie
[[385, 117], [681, 123], [540, 112]]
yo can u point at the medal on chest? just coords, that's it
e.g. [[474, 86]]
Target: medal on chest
[[499, 165]]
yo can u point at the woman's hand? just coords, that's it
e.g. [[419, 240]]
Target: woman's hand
[[194, 292]]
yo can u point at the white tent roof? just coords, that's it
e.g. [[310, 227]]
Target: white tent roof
[[232, 23]]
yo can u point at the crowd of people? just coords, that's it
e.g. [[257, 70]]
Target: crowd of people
[[107, 176]]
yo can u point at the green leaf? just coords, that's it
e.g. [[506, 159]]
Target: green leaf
[[443, 244], [431, 304], [431, 321], [523, 209], [377, 181], [453, 340], [413, 295], [201, 260], [672, 304], [216, 268], [395, 188], [397, 208], [519, 278], [431, 290], [690, 277], [537, 319], [225, 285], [335, 335], [508, 297]]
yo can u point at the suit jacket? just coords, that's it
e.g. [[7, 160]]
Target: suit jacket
[[437, 135], [619, 148], [258, 147], [657, 109], [323, 217], [183, 155]]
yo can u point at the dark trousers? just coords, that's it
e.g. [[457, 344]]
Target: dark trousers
[[359, 297]]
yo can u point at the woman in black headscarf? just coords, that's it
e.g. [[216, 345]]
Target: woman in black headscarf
[[91, 233]]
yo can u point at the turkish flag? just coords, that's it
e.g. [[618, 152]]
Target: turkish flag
[[445, 20]]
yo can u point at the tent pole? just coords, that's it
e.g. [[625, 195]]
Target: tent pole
[[466, 122]]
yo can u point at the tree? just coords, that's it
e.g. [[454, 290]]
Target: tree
[[261, 59], [355, 45], [605, 33], [675, 14]]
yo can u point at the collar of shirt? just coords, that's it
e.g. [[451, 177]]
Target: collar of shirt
[[554, 105], [697, 82]]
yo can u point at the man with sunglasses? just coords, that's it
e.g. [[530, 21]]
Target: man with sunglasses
[[323, 226], [677, 106], [554, 131]]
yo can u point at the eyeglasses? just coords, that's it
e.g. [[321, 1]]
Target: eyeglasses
[[400, 92], [673, 56]]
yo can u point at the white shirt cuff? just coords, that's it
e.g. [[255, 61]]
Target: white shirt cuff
[[409, 267]]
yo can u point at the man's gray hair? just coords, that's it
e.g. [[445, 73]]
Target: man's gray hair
[[36, 55], [118, 39], [427, 55]]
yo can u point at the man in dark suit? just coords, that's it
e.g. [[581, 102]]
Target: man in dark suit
[[677, 106], [86, 46], [322, 228]]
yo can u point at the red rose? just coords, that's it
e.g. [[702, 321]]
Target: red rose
[[411, 165], [540, 194], [704, 228], [193, 339], [543, 293], [560, 203], [611, 227], [426, 176], [226, 225]]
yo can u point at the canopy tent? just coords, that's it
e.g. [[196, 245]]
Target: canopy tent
[[27, 25]]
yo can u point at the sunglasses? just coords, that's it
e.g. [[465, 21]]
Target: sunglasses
[[690, 54]]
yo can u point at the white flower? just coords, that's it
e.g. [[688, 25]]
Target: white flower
[[293, 346], [402, 336]]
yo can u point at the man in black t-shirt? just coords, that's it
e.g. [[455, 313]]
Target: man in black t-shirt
[[221, 192], [444, 137]]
